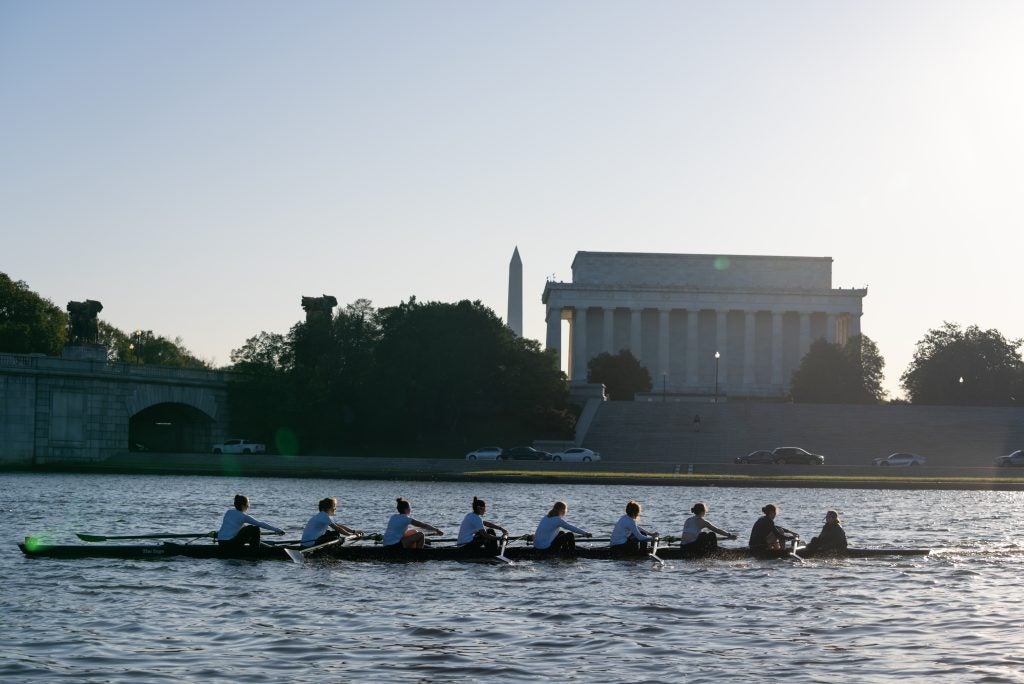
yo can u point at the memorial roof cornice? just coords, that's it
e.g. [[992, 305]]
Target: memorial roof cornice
[[703, 290]]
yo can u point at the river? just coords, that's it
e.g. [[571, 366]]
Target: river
[[952, 616]]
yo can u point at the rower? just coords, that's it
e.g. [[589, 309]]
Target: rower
[[627, 535], [832, 537], [241, 529], [766, 535], [398, 534], [322, 528], [700, 534], [554, 533], [477, 533]]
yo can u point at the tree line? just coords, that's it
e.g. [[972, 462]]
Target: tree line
[[431, 376]]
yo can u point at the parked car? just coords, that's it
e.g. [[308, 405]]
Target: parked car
[[761, 456], [900, 459], [576, 454], [1014, 459], [239, 446], [484, 454], [797, 455], [525, 453]]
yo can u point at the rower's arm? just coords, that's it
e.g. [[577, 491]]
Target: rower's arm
[[495, 526], [424, 526]]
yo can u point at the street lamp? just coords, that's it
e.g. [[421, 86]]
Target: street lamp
[[664, 376], [717, 357]]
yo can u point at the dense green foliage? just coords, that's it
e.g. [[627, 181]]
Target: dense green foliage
[[434, 376], [966, 366], [840, 374], [29, 324], [143, 347], [621, 374]]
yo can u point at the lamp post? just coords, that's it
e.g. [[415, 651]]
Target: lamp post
[[717, 357], [960, 394], [664, 376]]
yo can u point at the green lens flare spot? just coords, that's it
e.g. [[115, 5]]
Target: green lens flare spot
[[721, 263], [287, 442]]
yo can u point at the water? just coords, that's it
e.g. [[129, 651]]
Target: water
[[952, 616]]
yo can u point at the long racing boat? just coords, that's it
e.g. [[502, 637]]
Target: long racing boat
[[366, 552]]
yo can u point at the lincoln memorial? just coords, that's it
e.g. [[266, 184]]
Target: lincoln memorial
[[676, 312]]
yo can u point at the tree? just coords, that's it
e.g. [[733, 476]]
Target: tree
[[29, 324], [967, 366], [840, 374], [145, 347], [621, 374]]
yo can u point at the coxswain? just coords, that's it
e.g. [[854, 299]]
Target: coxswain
[[477, 533], [832, 536], [322, 527], [766, 535], [241, 529], [398, 534], [700, 534], [627, 535], [554, 533]]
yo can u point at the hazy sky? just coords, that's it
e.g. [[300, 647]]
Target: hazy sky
[[199, 166]]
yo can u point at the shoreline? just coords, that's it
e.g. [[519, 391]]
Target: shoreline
[[458, 470]]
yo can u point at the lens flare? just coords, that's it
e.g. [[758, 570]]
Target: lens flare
[[721, 263], [286, 441]]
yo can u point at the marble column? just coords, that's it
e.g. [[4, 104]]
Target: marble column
[[663, 358], [579, 344], [776, 348], [854, 324], [830, 328], [749, 328], [692, 337], [635, 334], [805, 334], [607, 338], [554, 321]]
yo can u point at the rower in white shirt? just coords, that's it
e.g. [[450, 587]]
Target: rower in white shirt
[[477, 533], [239, 528], [322, 527], [627, 535], [554, 533]]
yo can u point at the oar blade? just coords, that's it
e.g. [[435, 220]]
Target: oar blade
[[297, 556], [91, 537]]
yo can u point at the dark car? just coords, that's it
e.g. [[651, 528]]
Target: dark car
[[797, 455], [761, 456], [524, 453]]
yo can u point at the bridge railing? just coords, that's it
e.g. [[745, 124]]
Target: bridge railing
[[54, 364]]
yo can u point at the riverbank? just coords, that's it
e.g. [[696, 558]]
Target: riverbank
[[457, 470]]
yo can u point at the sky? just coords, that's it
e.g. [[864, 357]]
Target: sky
[[199, 167]]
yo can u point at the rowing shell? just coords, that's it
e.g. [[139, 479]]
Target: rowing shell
[[448, 553]]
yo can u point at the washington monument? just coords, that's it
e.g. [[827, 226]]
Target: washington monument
[[515, 294]]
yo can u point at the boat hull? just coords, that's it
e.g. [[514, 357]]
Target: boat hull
[[378, 553]]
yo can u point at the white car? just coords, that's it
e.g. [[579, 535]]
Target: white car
[[239, 446], [576, 454], [900, 460], [484, 454], [1014, 459]]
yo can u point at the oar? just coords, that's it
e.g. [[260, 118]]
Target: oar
[[792, 551], [501, 554], [103, 538], [654, 552], [299, 555]]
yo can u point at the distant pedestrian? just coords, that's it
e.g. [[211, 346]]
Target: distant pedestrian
[[696, 422]]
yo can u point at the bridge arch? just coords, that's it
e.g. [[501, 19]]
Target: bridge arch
[[170, 428]]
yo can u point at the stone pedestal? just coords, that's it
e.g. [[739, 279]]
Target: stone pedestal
[[84, 351]]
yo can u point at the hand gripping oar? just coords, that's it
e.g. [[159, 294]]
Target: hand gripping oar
[[793, 549], [299, 555], [103, 538]]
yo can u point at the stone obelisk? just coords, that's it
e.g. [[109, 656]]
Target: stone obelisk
[[515, 294]]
